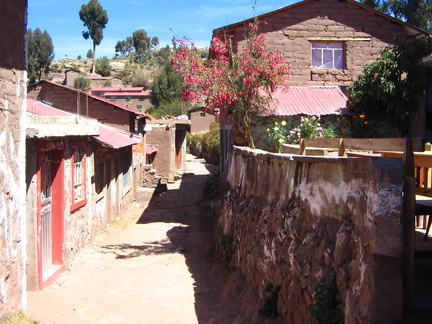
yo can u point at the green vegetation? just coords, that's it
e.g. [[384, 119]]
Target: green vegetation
[[95, 18], [269, 309], [119, 223], [40, 53], [20, 319], [82, 83], [386, 94], [206, 145], [326, 309], [103, 66], [414, 12]]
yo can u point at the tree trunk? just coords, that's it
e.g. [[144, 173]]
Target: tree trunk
[[94, 59]]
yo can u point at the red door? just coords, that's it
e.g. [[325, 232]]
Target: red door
[[50, 212]]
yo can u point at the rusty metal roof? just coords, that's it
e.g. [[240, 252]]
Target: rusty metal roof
[[313, 100]]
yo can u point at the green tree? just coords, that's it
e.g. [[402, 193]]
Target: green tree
[[40, 53], [103, 66], [124, 47], [414, 12], [89, 54], [95, 18], [166, 87], [386, 94]]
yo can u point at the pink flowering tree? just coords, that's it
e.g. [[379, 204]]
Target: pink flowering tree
[[238, 84]]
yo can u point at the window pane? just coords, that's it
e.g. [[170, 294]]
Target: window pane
[[328, 55], [338, 60]]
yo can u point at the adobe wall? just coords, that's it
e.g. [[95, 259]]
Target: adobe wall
[[163, 135], [295, 222], [201, 123], [12, 156], [364, 33]]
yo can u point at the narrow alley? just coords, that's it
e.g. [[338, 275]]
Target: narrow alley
[[154, 267]]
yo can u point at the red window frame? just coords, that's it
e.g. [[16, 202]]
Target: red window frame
[[77, 203]]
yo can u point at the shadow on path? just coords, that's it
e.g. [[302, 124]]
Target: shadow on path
[[191, 236]]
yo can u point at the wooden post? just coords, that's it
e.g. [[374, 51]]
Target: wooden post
[[302, 147], [341, 149]]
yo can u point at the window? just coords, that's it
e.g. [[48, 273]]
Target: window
[[78, 175], [202, 114], [113, 98], [139, 107], [127, 98], [328, 55]]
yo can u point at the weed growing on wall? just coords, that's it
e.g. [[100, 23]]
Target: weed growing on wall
[[269, 309], [326, 309]]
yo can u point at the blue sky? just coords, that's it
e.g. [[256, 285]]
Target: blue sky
[[195, 19]]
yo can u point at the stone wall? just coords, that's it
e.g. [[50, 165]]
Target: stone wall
[[294, 222], [12, 157], [291, 31]]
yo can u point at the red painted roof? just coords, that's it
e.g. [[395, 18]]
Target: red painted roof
[[112, 103], [309, 101], [120, 89], [116, 138], [39, 108], [109, 136], [151, 148], [131, 94]]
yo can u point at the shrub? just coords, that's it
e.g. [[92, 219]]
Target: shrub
[[206, 145], [81, 83]]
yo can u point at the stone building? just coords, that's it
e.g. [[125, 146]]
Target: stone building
[[13, 19]]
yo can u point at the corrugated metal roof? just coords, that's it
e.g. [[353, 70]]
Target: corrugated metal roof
[[109, 136], [309, 101], [116, 138], [124, 94]]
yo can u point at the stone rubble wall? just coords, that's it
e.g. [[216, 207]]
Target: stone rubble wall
[[13, 14], [294, 221]]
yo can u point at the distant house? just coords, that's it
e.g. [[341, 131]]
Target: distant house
[[201, 118], [134, 97], [104, 111], [79, 178]]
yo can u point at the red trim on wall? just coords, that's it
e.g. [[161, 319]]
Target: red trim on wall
[[48, 276], [79, 145]]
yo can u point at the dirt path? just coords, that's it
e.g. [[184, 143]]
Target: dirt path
[[159, 269]]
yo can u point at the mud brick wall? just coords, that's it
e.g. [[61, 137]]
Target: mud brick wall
[[12, 157], [65, 99], [295, 222], [291, 31]]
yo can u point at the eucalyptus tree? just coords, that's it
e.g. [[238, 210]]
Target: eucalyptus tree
[[95, 19]]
